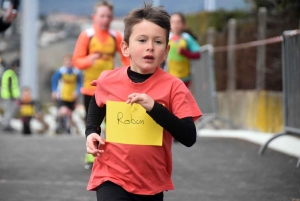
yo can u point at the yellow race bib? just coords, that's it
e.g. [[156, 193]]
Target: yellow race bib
[[130, 124]]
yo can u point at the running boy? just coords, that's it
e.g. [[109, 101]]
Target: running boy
[[96, 47], [66, 84], [95, 52], [128, 168], [183, 47]]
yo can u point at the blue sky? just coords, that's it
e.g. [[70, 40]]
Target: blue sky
[[84, 7]]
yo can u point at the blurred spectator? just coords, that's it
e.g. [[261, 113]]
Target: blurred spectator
[[8, 18], [10, 91]]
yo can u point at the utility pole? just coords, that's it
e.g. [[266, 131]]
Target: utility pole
[[210, 5], [261, 50], [231, 68], [28, 71], [156, 3]]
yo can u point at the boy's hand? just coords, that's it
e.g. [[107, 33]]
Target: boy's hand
[[54, 95], [10, 15], [93, 57], [92, 143], [94, 83], [143, 99], [74, 95]]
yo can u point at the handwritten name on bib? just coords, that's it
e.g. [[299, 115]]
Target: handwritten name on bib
[[130, 124]]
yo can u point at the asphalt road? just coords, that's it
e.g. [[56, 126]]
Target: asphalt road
[[37, 168]]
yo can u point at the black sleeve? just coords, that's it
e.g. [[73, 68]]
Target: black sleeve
[[3, 25], [183, 130], [94, 118]]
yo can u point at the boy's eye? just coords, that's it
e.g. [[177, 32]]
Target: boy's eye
[[142, 40], [158, 42]]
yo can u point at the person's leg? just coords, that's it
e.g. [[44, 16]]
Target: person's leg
[[58, 129], [5, 122], [8, 113], [156, 197], [109, 191], [71, 108], [26, 125], [64, 114]]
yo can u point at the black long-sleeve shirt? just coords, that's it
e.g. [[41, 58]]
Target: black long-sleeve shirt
[[183, 130]]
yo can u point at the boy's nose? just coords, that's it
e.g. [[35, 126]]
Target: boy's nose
[[150, 47]]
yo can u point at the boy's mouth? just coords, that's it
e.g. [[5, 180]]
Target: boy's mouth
[[148, 58]]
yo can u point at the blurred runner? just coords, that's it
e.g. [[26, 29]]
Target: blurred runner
[[183, 47], [66, 84], [95, 52]]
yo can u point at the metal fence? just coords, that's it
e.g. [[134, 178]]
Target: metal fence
[[291, 86], [204, 90], [291, 79], [203, 85]]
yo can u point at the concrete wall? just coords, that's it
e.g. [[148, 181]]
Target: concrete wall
[[251, 110]]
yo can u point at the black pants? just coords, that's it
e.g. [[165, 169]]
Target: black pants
[[70, 105], [26, 125], [86, 100], [109, 191]]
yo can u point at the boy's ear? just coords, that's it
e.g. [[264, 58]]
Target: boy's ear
[[167, 52], [125, 49]]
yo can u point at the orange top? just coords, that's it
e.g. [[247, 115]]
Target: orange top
[[93, 40], [141, 169]]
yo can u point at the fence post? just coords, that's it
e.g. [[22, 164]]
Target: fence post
[[231, 72], [211, 36], [261, 50]]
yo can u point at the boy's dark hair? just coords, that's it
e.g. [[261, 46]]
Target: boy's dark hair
[[157, 15], [186, 30]]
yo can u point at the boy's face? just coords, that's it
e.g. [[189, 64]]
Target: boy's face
[[176, 24], [26, 95], [103, 17], [68, 62], [147, 47]]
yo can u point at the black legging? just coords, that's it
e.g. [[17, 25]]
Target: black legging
[[109, 191], [26, 125]]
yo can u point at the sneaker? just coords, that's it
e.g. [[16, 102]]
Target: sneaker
[[7, 129], [89, 160], [88, 166]]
